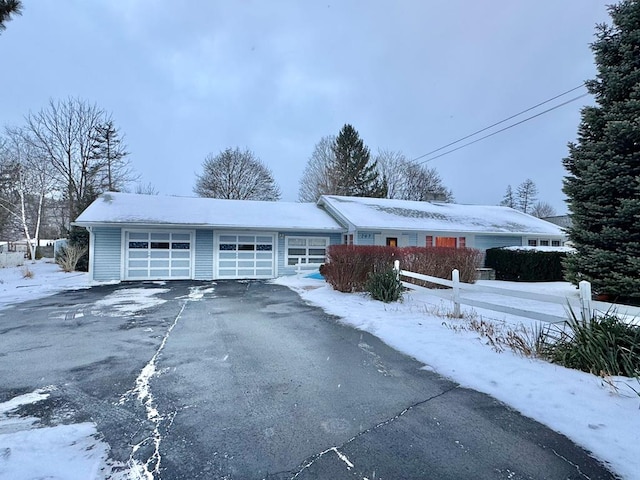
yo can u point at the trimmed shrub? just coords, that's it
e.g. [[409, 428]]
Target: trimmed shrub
[[526, 265], [349, 267], [441, 261], [385, 286], [604, 346]]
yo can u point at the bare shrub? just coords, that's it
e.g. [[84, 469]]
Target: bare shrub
[[27, 273], [69, 256]]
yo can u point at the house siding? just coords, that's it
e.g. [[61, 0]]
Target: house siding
[[107, 254], [282, 269], [483, 242], [203, 263]]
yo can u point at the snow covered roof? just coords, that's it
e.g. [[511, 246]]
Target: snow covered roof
[[147, 210], [380, 213]]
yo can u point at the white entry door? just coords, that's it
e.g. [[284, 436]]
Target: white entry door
[[245, 255], [158, 255]]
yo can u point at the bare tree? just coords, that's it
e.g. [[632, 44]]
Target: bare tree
[[318, 177], [542, 210], [407, 180], [236, 174], [64, 133], [31, 173], [145, 189]]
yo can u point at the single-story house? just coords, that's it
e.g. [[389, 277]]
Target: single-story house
[[148, 237]]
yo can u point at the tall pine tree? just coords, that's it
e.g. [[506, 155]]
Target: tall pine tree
[[356, 175], [603, 181]]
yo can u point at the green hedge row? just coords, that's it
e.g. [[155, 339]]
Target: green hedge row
[[526, 265]]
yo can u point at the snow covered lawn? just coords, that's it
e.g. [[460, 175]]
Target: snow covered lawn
[[603, 417]]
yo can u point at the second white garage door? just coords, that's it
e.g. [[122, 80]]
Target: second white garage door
[[245, 256]]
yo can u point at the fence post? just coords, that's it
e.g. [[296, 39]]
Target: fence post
[[585, 300], [455, 276]]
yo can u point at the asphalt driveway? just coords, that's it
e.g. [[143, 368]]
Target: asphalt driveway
[[243, 380]]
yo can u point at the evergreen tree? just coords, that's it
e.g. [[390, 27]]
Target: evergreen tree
[[603, 181], [8, 8], [110, 154], [526, 196], [508, 200], [357, 175]]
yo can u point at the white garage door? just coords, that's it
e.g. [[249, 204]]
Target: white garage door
[[245, 256], [158, 255]]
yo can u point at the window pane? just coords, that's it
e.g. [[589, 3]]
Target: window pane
[[159, 263], [264, 239], [227, 264], [227, 255], [138, 244], [555, 243], [263, 264], [180, 254], [181, 236], [317, 242], [160, 236], [137, 264], [246, 239], [297, 251], [265, 248], [181, 245], [544, 243], [292, 261], [264, 256], [228, 238], [227, 246], [316, 260], [180, 273], [160, 245], [138, 254], [179, 263], [138, 236], [160, 254], [533, 243], [317, 251], [297, 242], [247, 246]]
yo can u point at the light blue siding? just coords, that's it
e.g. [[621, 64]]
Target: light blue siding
[[484, 242], [204, 255], [334, 239], [107, 253], [412, 239], [366, 238]]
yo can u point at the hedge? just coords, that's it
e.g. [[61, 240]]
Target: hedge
[[526, 265], [349, 267]]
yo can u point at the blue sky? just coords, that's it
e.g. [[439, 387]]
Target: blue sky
[[184, 79]]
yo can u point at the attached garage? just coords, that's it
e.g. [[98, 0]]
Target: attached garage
[[244, 255], [158, 255]]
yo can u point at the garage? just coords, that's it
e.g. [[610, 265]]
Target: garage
[[157, 255], [245, 255]]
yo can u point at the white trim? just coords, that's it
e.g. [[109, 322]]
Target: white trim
[[92, 250]]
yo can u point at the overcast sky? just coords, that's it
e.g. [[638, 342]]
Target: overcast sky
[[184, 79]]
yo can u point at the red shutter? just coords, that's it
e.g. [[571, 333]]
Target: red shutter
[[429, 241]]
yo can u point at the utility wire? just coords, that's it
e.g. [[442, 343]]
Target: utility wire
[[499, 123], [501, 130]]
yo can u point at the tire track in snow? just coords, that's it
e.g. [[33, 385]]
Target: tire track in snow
[[142, 391]]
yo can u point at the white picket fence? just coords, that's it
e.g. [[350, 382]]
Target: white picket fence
[[583, 305]]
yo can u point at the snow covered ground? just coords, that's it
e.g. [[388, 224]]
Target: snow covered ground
[[603, 417]]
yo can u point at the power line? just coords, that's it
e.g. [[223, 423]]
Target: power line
[[500, 122], [502, 129]]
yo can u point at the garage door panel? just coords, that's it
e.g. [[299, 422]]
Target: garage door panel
[[158, 255], [245, 256]]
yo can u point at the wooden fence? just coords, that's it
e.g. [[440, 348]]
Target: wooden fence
[[583, 305]]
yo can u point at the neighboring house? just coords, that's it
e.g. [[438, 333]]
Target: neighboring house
[[144, 237], [377, 221], [563, 221]]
